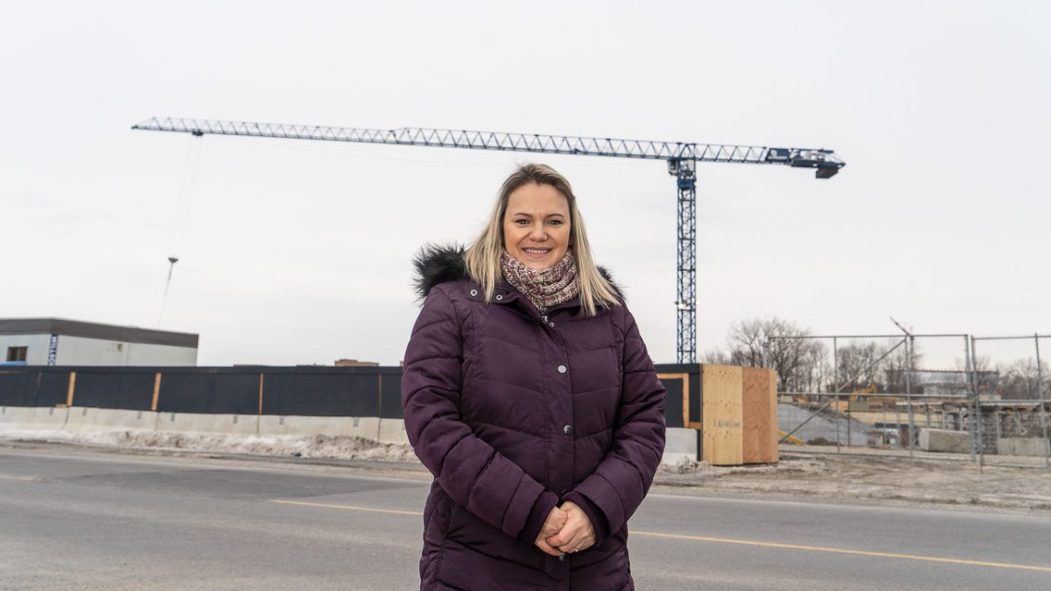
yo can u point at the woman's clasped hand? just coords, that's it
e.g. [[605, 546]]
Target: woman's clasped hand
[[567, 530]]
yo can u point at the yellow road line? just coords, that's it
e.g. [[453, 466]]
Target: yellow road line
[[27, 478], [348, 507], [739, 542], [895, 555]]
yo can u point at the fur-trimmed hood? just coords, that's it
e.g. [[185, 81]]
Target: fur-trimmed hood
[[436, 264], [439, 263]]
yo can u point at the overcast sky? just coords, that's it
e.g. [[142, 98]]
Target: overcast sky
[[297, 252]]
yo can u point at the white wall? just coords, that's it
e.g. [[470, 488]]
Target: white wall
[[139, 354], [37, 343], [82, 351]]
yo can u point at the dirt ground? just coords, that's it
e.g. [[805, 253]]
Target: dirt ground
[[872, 477], [804, 472]]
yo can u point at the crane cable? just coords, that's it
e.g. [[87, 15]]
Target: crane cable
[[181, 215]]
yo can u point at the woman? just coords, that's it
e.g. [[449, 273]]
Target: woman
[[529, 395]]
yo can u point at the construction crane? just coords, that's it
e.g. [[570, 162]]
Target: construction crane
[[681, 158]]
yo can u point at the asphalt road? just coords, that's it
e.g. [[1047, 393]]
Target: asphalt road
[[74, 519]]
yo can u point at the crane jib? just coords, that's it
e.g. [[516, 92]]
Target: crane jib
[[490, 140]]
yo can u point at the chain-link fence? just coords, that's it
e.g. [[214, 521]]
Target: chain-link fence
[[952, 393]]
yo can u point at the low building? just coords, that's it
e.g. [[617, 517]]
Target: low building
[[355, 363], [56, 341]]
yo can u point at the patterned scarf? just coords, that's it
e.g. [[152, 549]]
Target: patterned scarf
[[544, 287]]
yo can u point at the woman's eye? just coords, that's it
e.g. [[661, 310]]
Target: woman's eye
[[522, 222], [556, 222]]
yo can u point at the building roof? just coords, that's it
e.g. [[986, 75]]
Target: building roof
[[94, 330]]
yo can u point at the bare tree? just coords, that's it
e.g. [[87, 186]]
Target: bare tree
[[761, 343], [895, 367], [857, 365], [985, 375], [819, 369], [715, 357], [1018, 380], [867, 363]]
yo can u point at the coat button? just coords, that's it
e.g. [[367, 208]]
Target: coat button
[[499, 297], [568, 429], [474, 292], [561, 369], [551, 324]]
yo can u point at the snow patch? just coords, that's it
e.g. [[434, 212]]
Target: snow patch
[[306, 446]]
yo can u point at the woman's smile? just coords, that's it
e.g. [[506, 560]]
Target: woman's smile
[[536, 252]]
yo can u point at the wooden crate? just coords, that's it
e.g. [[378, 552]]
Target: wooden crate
[[739, 415]]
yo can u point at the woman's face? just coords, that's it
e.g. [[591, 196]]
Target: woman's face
[[536, 225]]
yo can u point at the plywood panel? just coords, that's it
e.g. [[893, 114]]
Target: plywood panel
[[722, 415], [775, 434], [759, 401]]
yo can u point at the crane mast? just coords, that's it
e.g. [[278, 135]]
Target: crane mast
[[681, 157]]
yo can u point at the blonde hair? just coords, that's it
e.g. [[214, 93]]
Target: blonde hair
[[483, 255]]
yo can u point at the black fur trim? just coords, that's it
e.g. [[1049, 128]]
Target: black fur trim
[[609, 277], [438, 263]]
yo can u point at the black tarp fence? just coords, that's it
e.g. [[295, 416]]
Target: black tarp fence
[[27, 387], [131, 389], [269, 390]]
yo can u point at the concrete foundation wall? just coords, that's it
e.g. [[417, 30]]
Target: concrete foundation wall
[[1009, 423], [1023, 446]]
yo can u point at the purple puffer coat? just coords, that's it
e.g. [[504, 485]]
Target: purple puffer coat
[[514, 413]]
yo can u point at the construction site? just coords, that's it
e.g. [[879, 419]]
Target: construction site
[[863, 421], [815, 231]]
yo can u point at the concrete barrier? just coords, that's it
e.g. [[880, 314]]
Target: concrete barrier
[[208, 423], [680, 445], [943, 440], [9, 417], [86, 420], [365, 427], [393, 431], [1023, 446], [14, 418]]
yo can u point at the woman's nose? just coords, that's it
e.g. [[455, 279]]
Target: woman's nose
[[538, 232]]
